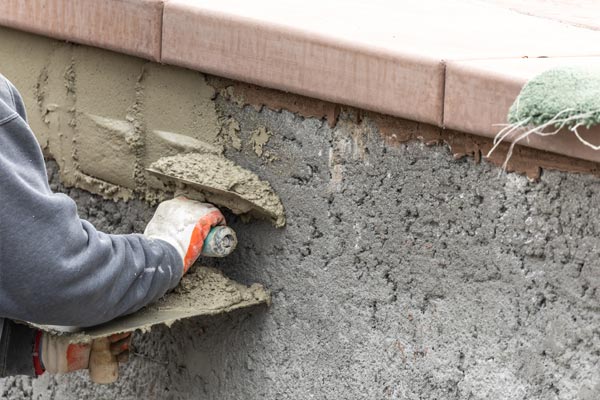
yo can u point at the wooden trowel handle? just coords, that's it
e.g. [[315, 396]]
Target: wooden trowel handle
[[103, 366]]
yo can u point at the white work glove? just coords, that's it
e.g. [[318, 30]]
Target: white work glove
[[184, 224], [57, 355]]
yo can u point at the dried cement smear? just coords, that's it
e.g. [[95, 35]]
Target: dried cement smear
[[202, 291], [259, 138], [231, 129], [224, 183]]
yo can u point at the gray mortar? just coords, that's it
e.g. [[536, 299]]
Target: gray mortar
[[401, 274]]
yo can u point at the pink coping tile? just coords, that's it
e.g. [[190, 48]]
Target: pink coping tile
[[379, 55], [479, 93], [262, 51], [128, 26], [584, 13]]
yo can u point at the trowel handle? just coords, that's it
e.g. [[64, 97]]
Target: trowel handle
[[103, 366], [220, 242]]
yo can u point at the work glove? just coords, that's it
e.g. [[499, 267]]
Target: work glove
[[184, 224], [55, 354]]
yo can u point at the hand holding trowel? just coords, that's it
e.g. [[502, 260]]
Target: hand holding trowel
[[193, 229]]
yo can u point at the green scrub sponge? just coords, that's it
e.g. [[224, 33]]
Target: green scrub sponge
[[563, 94], [566, 97]]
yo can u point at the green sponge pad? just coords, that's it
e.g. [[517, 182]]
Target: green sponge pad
[[566, 96]]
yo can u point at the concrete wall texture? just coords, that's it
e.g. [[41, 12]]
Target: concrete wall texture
[[402, 273]]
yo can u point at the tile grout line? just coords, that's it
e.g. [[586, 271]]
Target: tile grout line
[[444, 80], [161, 30]]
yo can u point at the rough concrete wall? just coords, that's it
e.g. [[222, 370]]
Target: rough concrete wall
[[401, 274], [410, 276]]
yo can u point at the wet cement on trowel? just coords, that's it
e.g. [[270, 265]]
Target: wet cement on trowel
[[202, 291], [224, 183]]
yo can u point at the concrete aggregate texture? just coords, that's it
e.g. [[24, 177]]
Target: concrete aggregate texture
[[409, 276], [401, 273]]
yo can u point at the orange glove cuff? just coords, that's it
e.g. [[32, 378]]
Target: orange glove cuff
[[200, 232]]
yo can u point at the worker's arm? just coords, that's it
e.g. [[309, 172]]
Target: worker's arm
[[54, 267]]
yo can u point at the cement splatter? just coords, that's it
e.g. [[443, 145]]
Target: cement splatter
[[259, 138], [231, 131]]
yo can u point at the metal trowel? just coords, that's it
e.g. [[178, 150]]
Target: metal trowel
[[103, 367], [215, 179]]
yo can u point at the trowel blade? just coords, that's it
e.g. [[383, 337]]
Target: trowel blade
[[227, 195], [219, 180], [210, 293]]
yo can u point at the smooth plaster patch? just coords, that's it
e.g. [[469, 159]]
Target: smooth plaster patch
[[68, 89]]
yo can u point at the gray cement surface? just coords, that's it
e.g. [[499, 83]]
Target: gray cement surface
[[401, 274]]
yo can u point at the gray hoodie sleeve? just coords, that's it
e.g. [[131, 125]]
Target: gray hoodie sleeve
[[54, 267]]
